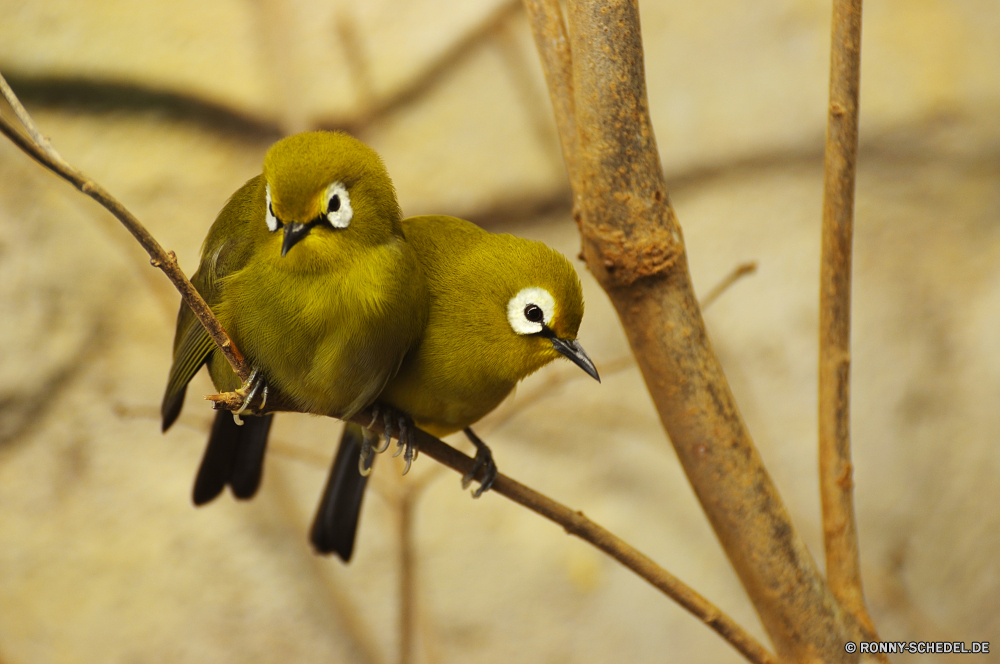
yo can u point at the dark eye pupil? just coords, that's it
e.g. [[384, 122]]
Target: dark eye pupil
[[277, 221], [533, 313], [334, 204]]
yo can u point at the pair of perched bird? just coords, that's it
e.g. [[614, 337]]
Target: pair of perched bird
[[338, 303]]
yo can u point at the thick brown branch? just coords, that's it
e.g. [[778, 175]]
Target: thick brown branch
[[843, 562], [160, 258], [633, 245]]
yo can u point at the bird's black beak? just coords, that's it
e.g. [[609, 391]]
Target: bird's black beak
[[574, 351], [293, 233]]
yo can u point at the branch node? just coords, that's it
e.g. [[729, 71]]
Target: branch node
[[628, 259], [226, 400], [846, 479]]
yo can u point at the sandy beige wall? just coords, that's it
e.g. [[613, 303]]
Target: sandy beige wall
[[171, 105]]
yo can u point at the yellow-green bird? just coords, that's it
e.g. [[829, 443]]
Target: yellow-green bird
[[500, 308], [308, 270]]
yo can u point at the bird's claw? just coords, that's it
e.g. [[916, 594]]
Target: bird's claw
[[383, 446], [484, 458], [407, 443], [387, 436], [254, 382], [368, 451]]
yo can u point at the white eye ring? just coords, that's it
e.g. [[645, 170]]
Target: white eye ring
[[272, 222], [519, 305], [338, 205]]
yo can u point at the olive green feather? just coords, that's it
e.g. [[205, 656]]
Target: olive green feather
[[469, 359], [324, 311]]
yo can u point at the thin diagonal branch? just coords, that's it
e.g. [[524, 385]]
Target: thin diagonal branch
[[840, 534], [29, 125], [166, 261], [575, 523]]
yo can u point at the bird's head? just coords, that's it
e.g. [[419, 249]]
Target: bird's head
[[544, 308], [324, 189]]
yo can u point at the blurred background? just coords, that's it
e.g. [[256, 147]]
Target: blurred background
[[171, 106]]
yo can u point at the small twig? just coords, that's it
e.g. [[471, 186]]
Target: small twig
[[840, 536], [740, 271], [519, 402]]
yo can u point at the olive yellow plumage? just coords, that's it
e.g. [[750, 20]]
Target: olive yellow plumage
[[475, 347], [500, 308], [308, 270]]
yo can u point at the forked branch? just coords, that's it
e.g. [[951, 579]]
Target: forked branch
[[634, 247]]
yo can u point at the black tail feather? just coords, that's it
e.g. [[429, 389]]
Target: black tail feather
[[248, 465], [336, 522], [171, 407], [234, 455]]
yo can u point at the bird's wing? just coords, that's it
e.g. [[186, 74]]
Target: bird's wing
[[227, 248], [192, 351]]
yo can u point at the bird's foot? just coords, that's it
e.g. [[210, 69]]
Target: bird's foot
[[406, 441], [484, 458], [370, 445], [368, 451], [254, 384], [388, 431], [393, 421]]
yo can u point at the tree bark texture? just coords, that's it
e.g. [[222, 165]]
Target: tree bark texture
[[634, 247]]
